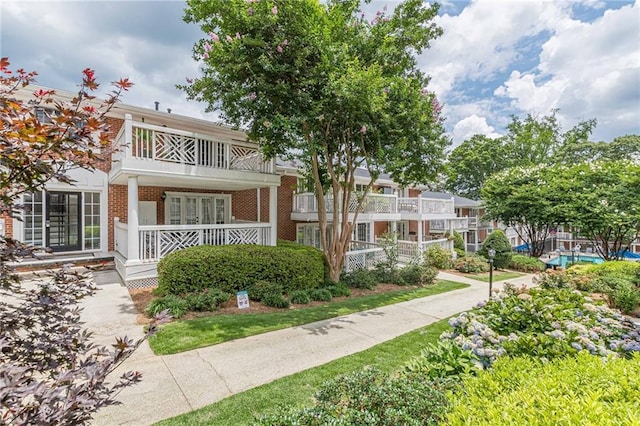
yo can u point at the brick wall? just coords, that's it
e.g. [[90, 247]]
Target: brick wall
[[286, 227]]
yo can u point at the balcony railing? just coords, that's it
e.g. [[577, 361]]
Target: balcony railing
[[478, 223], [376, 203], [425, 206], [443, 225], [156, 241], [408, 250], [149, 142], [373, 203]]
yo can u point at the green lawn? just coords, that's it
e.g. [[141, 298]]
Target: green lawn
[[497, 276], [180, 336], [298, 389]]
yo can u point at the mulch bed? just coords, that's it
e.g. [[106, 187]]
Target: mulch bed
[[142, 296]]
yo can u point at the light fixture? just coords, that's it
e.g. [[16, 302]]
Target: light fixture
[[163, 196], [492, 254]]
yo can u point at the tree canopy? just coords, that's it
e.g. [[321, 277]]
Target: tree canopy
[[326, 84], [529, 141]]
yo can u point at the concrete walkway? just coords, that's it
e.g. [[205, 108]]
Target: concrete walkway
[[176, 384]]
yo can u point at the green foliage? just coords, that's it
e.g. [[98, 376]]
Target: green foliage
[[554, 279], [338, 290], [567, 391], [176, 305], [499, 242], [460, 253], [458, 242], [418, 275], [389, 244], [443, 359], [360, 278], [262, 289], [320, 295], [369, 397], [276, 300], [471, 264], [520, 262], [300, 297], [624, 296], [438, 257], [208, 299], [624, 269], [239, 267], [389, 276]]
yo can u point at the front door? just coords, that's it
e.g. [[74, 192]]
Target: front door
[[63, 221]]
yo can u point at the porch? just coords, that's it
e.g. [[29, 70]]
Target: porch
[[441, 226], [171, 189], [366, 255], [382, 207]]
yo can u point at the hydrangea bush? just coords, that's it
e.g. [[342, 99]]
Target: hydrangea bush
[[545, 323]]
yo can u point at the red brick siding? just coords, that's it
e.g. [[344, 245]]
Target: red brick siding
[[286, 227]]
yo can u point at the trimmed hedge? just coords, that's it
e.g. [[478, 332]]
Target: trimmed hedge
[[239, 267], [520, 262]]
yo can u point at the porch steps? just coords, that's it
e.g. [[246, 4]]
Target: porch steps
[[32, 267]]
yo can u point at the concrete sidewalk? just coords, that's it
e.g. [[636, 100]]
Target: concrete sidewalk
[[176, 384]]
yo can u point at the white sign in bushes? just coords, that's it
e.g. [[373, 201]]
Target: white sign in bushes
[[243, 299]]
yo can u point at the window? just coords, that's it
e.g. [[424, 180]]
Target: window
[[308, 234], [362, 232], [33, 219], [194, 209], [92, 220]]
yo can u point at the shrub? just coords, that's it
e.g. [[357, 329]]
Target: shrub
[[471, 264], [238, 267], [459, 253], [500, 243], [438, 257], [543, 323], [443, 359], [320, 295], [360, 278], [621, 268], [570, 391], [261, 289], [276, 300], [418, 275], [176, 305], [553, 279], [369, 397], [624, 296], [300, 297], [520, 262], [206, 300], [338, 290], [389, 276]]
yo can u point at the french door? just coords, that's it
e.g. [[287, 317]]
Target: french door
[[194, 209], [63, 219]]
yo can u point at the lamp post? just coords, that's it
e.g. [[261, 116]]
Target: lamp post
[[576, 250], [492, 254]]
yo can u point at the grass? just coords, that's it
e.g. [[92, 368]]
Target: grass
[[298, 389], [180, 336], [497, 276]]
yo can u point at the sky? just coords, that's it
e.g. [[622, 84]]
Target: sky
[[496, 58]]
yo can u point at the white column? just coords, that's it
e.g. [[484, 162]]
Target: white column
[[273, 213], [419, 234], [133, 249], [128, 135]]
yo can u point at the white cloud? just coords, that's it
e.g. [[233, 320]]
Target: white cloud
[[587, 70], [472, 125]]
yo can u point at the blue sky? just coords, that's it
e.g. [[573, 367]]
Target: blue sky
[[496, 57]]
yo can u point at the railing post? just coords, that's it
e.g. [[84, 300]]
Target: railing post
[[133, 250], [128, 135]]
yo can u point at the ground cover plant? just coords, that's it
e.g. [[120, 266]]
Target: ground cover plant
[[183, 335]]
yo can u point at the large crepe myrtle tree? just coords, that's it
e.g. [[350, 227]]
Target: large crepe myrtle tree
[[50, 370], [326, 84]]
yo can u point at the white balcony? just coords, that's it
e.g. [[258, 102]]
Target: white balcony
[[171, 157], [460, 224], [375, 207], [478, 223]]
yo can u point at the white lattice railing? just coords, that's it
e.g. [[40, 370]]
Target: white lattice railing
[[164, 144], [363, 259], [408, 250], [477, 223], [564, 236], [361, 245], [156, 241]]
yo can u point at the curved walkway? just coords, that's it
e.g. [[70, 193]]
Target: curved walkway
[[175, 384]]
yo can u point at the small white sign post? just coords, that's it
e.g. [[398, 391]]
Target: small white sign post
[[243, 299]]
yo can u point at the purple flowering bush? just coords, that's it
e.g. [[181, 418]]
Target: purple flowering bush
[[545, 323]]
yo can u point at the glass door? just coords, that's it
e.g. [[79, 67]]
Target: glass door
[[63, 221]]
